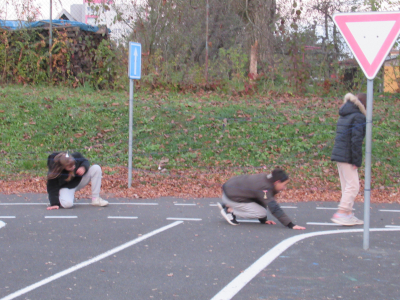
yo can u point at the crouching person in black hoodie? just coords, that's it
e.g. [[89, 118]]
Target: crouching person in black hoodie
[[249, 196], [68, 173]]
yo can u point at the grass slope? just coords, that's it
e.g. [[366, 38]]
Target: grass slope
[[203, 133]]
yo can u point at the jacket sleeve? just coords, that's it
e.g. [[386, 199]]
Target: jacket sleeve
[[357, 137], [276, 210], [53, 189], [81, 160]]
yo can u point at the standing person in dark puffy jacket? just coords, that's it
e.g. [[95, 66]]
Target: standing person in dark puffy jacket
[[249, 196], [347, 152], [69, 173]]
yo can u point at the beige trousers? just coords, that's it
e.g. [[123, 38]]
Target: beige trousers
[[350, 185], [245, 210], [93, 175]]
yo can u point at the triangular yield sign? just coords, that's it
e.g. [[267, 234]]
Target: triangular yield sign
[[370, 36]]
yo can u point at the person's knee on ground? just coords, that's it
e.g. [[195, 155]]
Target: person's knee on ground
[[66, 197], [66, 203]]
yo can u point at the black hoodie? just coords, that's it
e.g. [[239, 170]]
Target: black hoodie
[[54, 185]]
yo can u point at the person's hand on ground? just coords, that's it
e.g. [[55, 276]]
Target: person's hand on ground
[[298, 227], [270, 222], [80, 171], [53, 207]]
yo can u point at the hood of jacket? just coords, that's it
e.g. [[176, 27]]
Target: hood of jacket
[[351, 105]]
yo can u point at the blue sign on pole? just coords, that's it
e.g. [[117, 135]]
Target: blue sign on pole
[[135, 60]]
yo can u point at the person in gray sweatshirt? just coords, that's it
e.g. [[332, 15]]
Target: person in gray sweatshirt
[[249, 196]]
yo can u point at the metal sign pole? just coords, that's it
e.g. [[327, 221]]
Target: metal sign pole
[[134, 72], [51, 41], [131, 86], [368, 150]]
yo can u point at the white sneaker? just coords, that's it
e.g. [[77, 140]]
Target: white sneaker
[[99, 202], [346, 220], [356, 221]]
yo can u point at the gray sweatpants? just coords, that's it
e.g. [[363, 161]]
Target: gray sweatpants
[[93, 175], [250, 210]]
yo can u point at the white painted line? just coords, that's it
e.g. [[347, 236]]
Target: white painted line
[[185, 204], [23, 204], [230, 290], [323, 224], [2, 224], [392, 226], [181, 219], [88, 262], [61, 217], [390, 210], [79, 204], [318, 207], [111, 217], [248, 221], [7, 217], [133, 203], [213, 204]]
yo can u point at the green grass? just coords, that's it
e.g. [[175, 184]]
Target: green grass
[[196, 131]]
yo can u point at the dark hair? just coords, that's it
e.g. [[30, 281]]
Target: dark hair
[[279, 175], [363, 99]]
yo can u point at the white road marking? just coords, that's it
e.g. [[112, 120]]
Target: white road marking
[[23, 204], [213, 204], [248, 221], [61, 217], [6, 204], [182, 219], [133, 203], [392, 226], [320, 207], [185, 204], [230, 290], [2, 224], [390, 210], [323, 224], [121, 217], [7, 217], [88, 262]]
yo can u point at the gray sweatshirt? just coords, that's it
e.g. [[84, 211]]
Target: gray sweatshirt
[[255, 188]]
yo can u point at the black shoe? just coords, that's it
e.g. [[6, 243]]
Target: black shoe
[[221, 206], [230, 217]]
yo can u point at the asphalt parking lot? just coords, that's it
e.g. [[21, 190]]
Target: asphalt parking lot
[[172, 248]]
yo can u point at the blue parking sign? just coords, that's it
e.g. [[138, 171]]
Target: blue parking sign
[[135, 60]]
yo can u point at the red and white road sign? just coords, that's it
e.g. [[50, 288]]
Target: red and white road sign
[[370, 36]]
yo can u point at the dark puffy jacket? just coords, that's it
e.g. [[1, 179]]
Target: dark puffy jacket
[[350, 132], [54, 185]]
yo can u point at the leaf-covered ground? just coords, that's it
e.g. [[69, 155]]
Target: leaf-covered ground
[[194, 184]]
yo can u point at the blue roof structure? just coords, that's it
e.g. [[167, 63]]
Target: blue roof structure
[[15, 25]]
